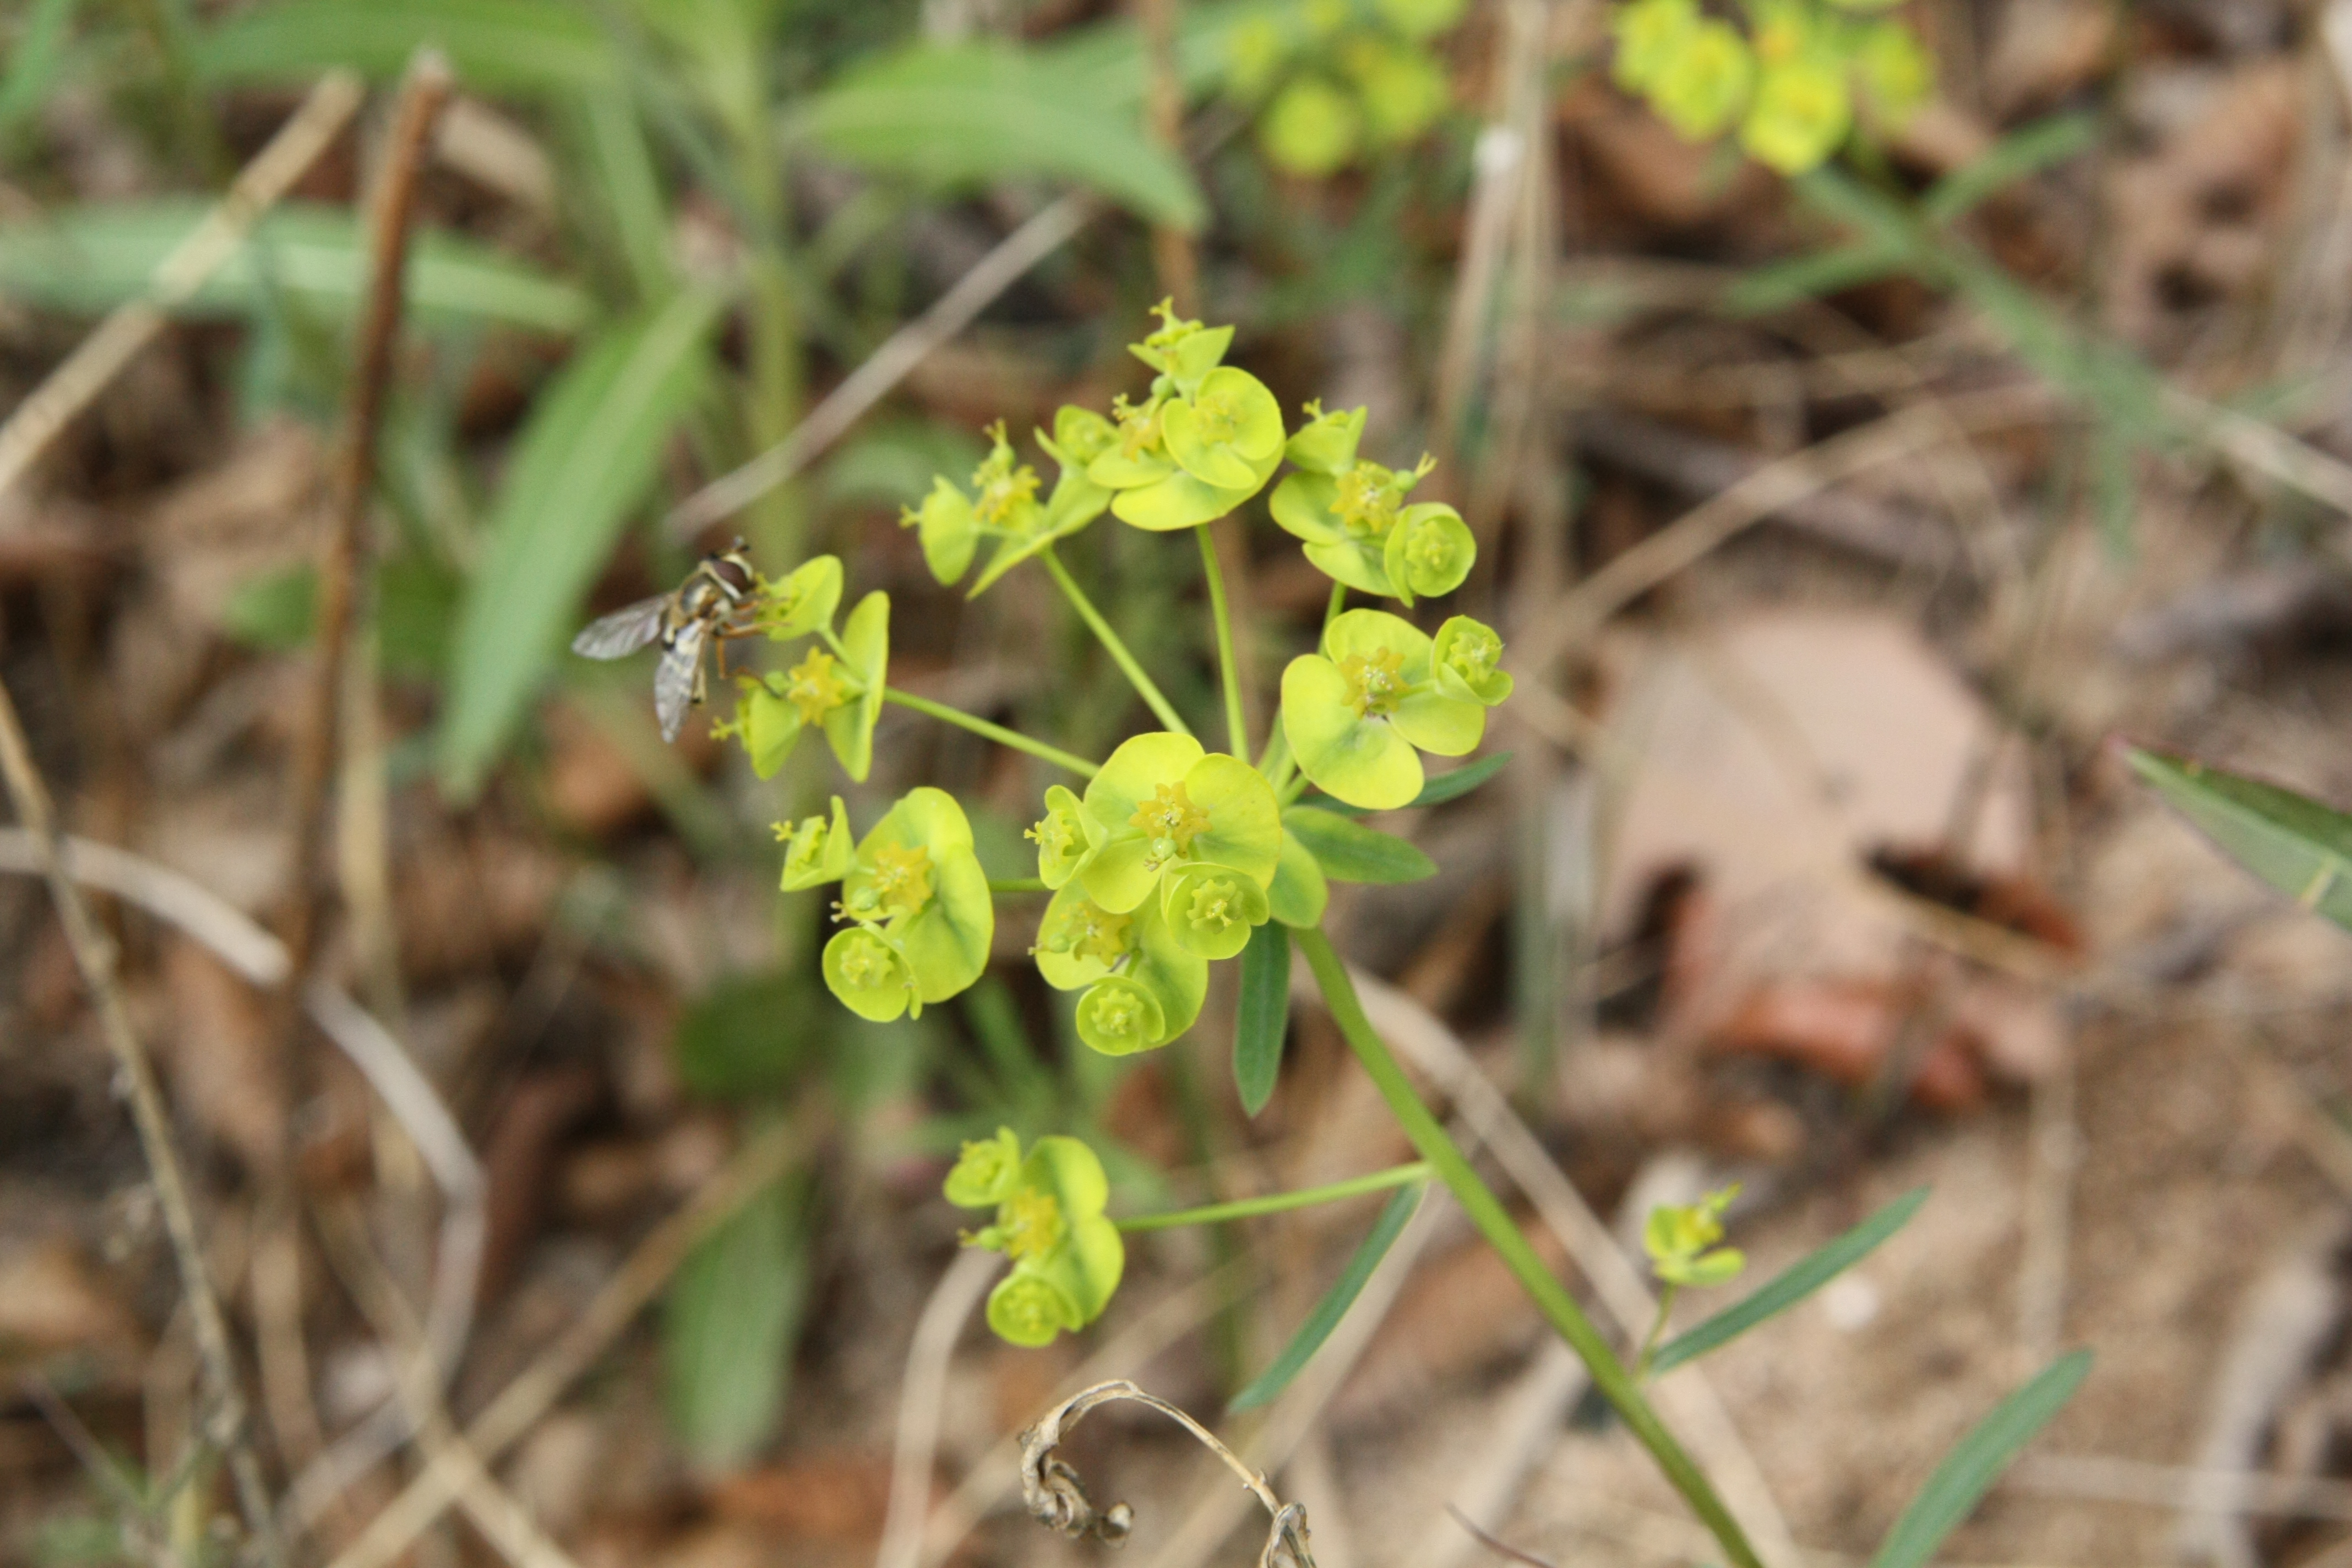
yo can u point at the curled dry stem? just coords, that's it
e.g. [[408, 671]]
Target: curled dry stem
[[1055, 1497]]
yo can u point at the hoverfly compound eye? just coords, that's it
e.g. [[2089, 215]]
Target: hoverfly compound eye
[[733, 570]]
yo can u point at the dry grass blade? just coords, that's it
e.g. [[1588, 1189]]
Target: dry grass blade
[[883, 370], [102, 357], [1056, 1500], [919, 1399], [1503, 1549], [224, 1424]]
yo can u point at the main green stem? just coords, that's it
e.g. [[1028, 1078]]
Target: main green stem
[[1158, 704], [1494, 1223], [1237, 726], [996, 732], [1276, 1202]]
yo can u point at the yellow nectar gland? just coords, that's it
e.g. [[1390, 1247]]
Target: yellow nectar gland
[[1031, 1223], [1053, 834], [815, 690], [1375, 684], [866, 964], [1215, 904], [1367, 501], [902, 883], [1170, 821], [1472, 659]]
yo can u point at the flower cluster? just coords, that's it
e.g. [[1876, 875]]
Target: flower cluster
[[1352, 515], [1680, 1241], [1330, 81], [1163, 865], [914, 901], [1359, 714], [1004, 503], [837, 684], [1066, 1258], [1791, 83]]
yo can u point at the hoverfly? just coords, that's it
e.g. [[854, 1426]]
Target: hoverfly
[[707, 607]]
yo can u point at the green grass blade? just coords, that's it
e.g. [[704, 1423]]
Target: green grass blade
[[1792, 1285], [538, 46], [1785, 283], [33, 57], [88, 260], [1263, 1016], [2024, 153], [728, 1324], [1969, 1471], [2296, 845], [585, 461], [1350, 852], [1334, 1304], [968, 114]]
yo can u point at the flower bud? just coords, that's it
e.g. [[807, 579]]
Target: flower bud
[[1026, 1309], [985, 1170]]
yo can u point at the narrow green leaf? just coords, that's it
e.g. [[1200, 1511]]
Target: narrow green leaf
[[1335, 1303], [1798, 1280], [1350, 852], [1780, 284], [741, 1038], [498, 45], [2296, 845], [728, 1324], [1440, 788], [586, 459], [1264, 1017], [1969, 1471], [33, 56], [966, 114], [2024, 153], [89, 260]]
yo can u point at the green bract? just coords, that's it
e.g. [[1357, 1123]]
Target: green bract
[[1080, 436], [801, 601], [985, 1171], [1206, 440], [1352, 516], [1300, 891], [839, 689], [817, 849], [1067, 1256], [1004, 505], [1065, 836], [1469, 656], [922, 914], [1211, 908], [1354, 712], [1162, 803], [1143, 987], [1701, 88]]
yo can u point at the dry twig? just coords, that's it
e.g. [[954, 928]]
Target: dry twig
[[223, 1424], [919, 1399], [91, 367]]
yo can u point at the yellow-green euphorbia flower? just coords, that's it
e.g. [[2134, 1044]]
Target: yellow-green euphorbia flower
[[1205, 440], [918, 909], [817, 849], [1402, 89], [1142, 987], [1650, 35], [1066, 1255], [1065, 836], [1469, 656], [801, 600], [1004, 505], [1680, 1241], [1311, 128], [1803, 111], [1895, 73], [1352, 516], [1164, 805], [1355, 712], [1701, 90], [839, 689]]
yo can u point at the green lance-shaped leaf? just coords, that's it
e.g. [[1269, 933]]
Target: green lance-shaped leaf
[[538, 46], [728, 1324], [965, 115], [1792, 1286], [90, 259], [34, 55], [2296, 845], [1436, 790], [585, 461], [1335, 1303], [1263, 1018], [1350, 852], [1969, 1470]]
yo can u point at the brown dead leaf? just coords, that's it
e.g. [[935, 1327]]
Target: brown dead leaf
[[592, 786], [2045, 49], [51, 1303], [220, 1055], [828, 1495]]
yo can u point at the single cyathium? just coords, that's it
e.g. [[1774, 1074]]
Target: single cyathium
[[1055, 1498]]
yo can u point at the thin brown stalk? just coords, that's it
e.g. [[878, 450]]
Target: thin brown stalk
[[91, 367], [224, 1422], [423, 92]]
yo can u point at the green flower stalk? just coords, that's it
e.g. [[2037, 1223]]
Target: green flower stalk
[[836, 689], [1066, 1255], [1358, 714], [919, 910], [1206, 438], [1352, 516]]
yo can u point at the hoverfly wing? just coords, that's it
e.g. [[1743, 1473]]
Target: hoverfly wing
[[623, 631], [674, 676]]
